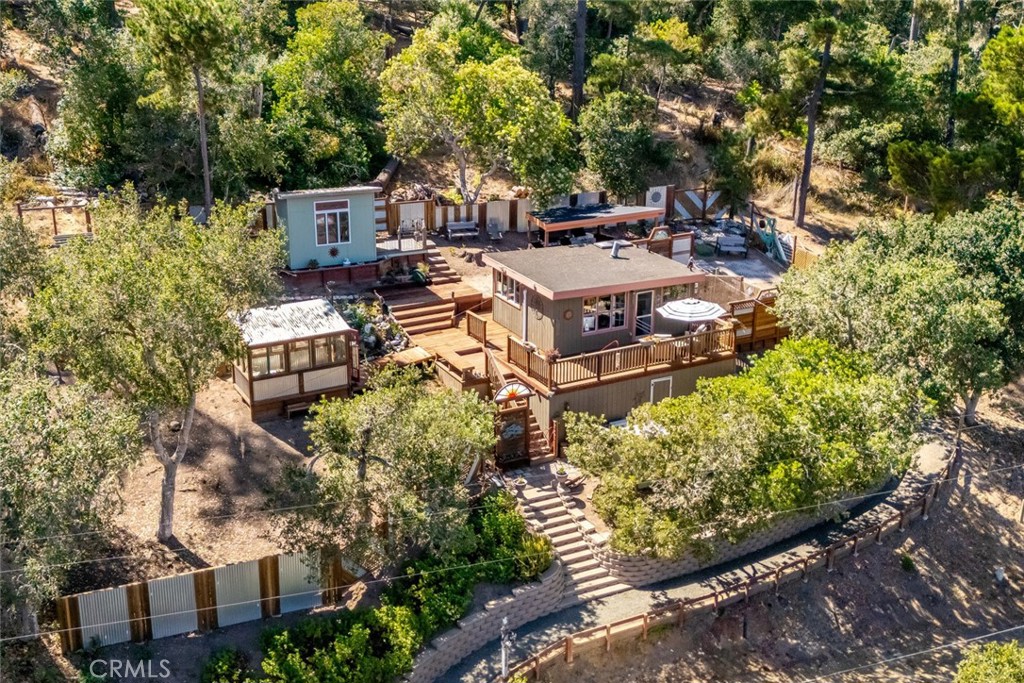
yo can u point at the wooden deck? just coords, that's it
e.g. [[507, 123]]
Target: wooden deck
[[461, 351], [462, 295]]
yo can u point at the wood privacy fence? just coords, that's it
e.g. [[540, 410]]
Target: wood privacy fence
[[804, 258], [757, 326], [676, 613], [202, 600]]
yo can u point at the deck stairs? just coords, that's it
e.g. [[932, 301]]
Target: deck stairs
[[440, 272], [500, 374], [417, 318], [544, 509]]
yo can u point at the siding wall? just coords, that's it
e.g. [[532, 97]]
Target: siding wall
[[275, 387], [328, 378], [614, 400], [296, 215]]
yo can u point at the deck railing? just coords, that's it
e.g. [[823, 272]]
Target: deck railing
[[677, 351], [476, 327]]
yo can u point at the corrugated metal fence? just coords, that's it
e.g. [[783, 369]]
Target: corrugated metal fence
[[202, 600]]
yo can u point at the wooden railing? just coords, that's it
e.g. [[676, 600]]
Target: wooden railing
[[756, 322], [476, 327], [684, 350], [676, 613]]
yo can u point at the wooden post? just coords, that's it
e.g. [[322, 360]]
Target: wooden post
[[646, 625], [53, 216], [70, 623], [88, 220], [778, 575], [856, 540], [806, 560], [206, 599], [608, 638], [830, 558], [139, 623], [903, 520], [17, 207], [878, 534], [270, 586], [925, 501], [568, 649]]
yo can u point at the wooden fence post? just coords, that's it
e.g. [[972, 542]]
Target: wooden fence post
[[70, 622], [608, 638], [568, 649], [646, 624], [806, 560], [270, 586], [206, 599], [829, 558], [140, 624]]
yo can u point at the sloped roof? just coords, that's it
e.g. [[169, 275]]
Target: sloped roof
[[330, 191], [287, 322]]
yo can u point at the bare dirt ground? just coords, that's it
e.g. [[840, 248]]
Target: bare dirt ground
[[223, 483], [871, 608]]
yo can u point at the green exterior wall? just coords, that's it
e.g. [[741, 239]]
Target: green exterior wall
[[295, 215]]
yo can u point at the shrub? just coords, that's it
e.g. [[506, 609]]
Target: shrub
[[993, 663], [907, 563], [226, 666]]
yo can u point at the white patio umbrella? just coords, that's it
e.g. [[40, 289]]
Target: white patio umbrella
[[691, 310]]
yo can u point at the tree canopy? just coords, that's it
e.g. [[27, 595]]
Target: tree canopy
[[451, 90], [390, 473], [992, 663], [807, 424], [143, 309], [62, 451], [618, 143]]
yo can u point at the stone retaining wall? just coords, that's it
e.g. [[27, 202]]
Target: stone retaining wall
[[526, 604], [641, 571]]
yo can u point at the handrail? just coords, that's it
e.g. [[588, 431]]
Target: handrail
[[682, 350], [771, 578]]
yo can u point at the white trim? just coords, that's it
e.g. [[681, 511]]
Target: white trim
[[636, 308], [661, 379], [624, 295], [337, 213]]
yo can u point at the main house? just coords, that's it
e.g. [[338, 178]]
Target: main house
[[585, 334]]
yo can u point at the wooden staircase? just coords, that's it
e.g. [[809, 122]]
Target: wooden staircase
[[440, 272], [540, 452], [417, 318]]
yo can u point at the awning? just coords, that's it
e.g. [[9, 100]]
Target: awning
[[691, 310]]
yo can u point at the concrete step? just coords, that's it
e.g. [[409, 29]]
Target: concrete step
[[582, 565], [538, 494], [549, 516], [568, 541], [577, 556], [571, 546], [542, 459], [591, 577], [554, 532], [578, 598]]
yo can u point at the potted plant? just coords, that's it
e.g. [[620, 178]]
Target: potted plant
[[561, 474], [551, 355], [313, 264]]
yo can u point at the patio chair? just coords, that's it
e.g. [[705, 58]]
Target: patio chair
[[494, 230]]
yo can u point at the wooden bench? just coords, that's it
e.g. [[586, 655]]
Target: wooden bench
[[731, 244], [459, 229]]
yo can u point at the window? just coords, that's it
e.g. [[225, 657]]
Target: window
[[298, 355], [331, 223], [606, 312], [329, 351], [506, 288], [268, 361]]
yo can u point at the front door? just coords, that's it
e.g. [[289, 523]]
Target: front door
[[643, 323]]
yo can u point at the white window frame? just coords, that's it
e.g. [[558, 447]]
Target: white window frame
[[508, 288], [614, 299], [336, 208]]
